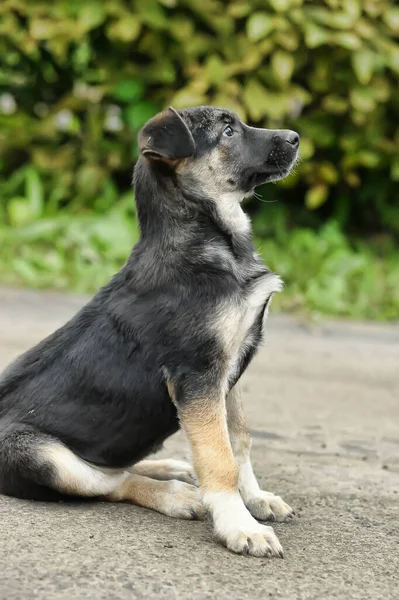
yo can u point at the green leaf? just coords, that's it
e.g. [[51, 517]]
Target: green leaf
[[315, 36], [152, 13], [280, 5], [128, 90], [113, 234], [316, 196], [43, 29], [226, 101], [362, 99], [88, 180], [216, 69], [336, 19], [328, 173], [169, 3], [19, 211], [256, 99], [125, 29], [347, 40], [139, 113], [25, 270], [363, 62], [91, 15], [34, 192], [283, 65], [335, 104], [393, 59], [188, 96], [307, 148], [391, 18], [259, 25], [239, 9], [395, 169]]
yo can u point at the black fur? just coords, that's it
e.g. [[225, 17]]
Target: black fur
[[98, 383]]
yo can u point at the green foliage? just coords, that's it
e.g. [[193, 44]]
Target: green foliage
[[86, 74], [323, 273], [78, 78], [64, 251]]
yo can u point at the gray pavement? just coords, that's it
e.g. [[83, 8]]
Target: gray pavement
[[323, 406]]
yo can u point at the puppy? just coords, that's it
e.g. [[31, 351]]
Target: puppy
[[162, 345]]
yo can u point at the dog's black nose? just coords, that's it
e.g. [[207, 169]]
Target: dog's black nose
[[292, 138]]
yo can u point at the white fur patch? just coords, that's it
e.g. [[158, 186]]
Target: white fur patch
[[231, 214], [234, 323], [247, 483], [261, 504], [237, 529], [76, 476], [228, 512]]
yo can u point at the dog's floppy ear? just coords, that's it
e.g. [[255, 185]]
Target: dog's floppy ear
[[166, 137]]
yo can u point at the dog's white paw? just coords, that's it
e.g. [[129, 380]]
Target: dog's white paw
[[254, 539], [265, 506], [183, 501], [237, 529]]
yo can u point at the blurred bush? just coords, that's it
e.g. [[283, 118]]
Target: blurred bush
[[78, 78]]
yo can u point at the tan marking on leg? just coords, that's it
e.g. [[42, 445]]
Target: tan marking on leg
[[204, 422], [171, 498]]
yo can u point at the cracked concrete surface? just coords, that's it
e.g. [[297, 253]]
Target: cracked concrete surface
[[323, 407]]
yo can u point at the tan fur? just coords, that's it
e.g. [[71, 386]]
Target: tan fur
[[140, 490], [204, 422], [74, 476], [171, 387], [216, 187], [171, 498]]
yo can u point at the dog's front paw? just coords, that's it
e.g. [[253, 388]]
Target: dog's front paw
[[254, 539], [237, 529], [265, 506]]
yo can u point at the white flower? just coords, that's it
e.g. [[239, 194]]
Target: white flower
[[113, 121], [63, 119], [8, 106]]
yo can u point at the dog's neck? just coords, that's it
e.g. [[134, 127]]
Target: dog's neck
[[165, 206]]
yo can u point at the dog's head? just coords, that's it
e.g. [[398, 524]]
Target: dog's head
[[214, 150]]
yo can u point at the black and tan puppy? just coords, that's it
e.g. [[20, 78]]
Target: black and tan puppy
[[162, 345]]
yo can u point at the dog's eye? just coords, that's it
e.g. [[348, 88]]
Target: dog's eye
[[228, 131]]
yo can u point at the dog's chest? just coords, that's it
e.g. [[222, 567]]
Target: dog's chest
[[241, 321]]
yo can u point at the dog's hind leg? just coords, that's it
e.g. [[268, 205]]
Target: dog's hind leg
[[39, 467], [172, 498], [262, 505], [165, 469]]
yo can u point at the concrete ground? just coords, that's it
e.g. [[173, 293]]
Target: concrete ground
[[323, 406]]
